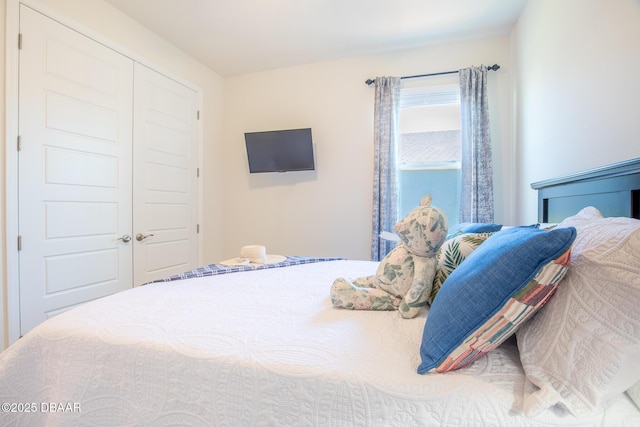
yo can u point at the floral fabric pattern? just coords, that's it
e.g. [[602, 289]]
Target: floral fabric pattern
[[405, 276], [476, 199], [385, 187], [451, 254]]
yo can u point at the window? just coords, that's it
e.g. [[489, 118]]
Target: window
[[429, 149]]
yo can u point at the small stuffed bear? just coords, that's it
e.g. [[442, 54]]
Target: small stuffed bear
[[404, 277]]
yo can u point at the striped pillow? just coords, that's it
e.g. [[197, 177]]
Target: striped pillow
[[501, 284]]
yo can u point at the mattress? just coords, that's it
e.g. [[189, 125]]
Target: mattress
[[256, 348]]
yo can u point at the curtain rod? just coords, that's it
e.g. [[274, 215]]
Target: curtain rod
[[494, 67]]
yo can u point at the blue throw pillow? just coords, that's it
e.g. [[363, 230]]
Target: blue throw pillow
[[498, 287], [473, 227]]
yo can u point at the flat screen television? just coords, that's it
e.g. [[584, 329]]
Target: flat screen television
[[280, 150]]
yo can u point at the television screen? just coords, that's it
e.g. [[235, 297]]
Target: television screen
[[280, 151]]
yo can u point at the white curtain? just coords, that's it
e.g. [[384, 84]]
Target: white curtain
[[385, 191], [476, 203]]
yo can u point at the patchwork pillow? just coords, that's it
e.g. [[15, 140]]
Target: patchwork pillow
[[451, 254], [585, 346], [473, 227], [498, 287]]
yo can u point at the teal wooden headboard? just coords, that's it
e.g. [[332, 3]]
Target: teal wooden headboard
[[613, 189]]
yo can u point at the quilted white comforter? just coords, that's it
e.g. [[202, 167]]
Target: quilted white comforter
[[261, 348]]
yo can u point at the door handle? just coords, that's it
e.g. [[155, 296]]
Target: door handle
[[126, 238], [140, 237]]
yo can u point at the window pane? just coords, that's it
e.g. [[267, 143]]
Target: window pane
[[443, 185], [429, 150]]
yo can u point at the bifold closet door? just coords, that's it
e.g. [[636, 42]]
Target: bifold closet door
[[165, 176], [75, 169]]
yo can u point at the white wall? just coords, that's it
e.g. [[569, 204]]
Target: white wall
[[327, 212], [576, 68], [106, 23]]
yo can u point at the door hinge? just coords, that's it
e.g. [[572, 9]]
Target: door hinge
[[19, 243], [198, 115], [197, 172], [197, 228], [19, 143], [19, 40]]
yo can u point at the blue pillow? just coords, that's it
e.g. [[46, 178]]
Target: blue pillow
[[498, 287], [473, 227]]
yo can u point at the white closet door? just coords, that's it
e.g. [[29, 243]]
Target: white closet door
[[75, 183], [165, 180]]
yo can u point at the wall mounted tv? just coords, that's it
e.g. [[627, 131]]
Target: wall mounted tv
[[280, 150]]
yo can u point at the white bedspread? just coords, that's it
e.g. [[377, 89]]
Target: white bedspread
[[261, 348]]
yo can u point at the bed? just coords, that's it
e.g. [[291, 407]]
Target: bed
[[247, 346]]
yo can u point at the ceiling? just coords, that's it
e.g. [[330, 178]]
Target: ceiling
[[235, 37]]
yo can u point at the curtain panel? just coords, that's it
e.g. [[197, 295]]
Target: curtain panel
[[385, 182], [476, 204]]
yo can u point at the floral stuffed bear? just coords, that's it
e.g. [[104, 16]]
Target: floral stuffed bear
[[405, 276]]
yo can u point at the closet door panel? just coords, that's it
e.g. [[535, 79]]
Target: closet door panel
[[165, 177], [75, 169]]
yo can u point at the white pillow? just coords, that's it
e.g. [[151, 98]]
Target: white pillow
[[634, 393], [584, 346]]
